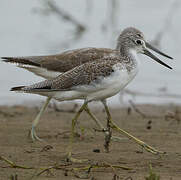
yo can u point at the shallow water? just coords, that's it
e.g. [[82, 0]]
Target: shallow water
[[23, 32]]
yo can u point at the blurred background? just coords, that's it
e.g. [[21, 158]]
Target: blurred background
[[42, 27]]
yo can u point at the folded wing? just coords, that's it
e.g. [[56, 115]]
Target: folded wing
[[81, 76]]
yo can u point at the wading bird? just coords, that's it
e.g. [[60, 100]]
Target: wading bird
[[100, 79], [51, 66]]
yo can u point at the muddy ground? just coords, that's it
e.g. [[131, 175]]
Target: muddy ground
[[159, 126]]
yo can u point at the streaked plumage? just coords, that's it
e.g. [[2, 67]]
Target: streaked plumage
[[99, 79], [52, 65], [98, 75], [85, 80]]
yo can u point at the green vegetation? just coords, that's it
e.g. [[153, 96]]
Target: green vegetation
[[152, 175]]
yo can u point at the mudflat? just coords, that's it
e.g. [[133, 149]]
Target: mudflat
[[157, 125]]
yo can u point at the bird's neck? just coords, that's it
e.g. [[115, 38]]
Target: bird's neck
[[129, 58]]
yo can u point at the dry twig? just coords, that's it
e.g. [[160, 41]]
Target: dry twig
[[143, 115], [54, 8], [67, 167], [13, 165], [167, 23], [175, 115]]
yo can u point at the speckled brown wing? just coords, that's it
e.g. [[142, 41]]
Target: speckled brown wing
[[70, 80], [83, 75], [64, 61]]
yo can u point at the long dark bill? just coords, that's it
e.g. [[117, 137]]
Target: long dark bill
[[148, 53], [156, 50]]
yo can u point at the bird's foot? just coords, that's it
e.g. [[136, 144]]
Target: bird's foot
[[34, 136], [150, 149]]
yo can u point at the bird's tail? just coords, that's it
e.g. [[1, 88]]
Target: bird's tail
[[20, 60]]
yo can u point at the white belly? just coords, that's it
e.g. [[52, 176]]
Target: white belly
[[69, 95], [99, 90], [112, 85]]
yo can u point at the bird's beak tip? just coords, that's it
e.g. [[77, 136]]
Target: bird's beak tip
[[157, 51], [171, 68], [148, 53]]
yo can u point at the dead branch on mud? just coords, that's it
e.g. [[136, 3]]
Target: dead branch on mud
[[83, 172], [174, 116], [7, 114], [67, 167], [142, 114], [13, 165]]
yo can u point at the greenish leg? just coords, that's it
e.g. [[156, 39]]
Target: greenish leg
[[99, 124], [141, 143], [37, 119], [74, 120]]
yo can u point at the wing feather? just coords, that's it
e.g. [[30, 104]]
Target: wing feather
[[82, 75]]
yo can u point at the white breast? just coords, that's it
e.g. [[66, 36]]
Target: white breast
[[111, 85]]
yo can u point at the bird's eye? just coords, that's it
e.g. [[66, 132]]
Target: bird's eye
[[139, 42]]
